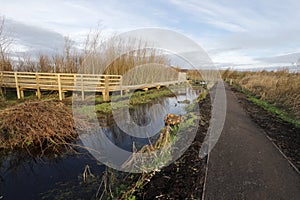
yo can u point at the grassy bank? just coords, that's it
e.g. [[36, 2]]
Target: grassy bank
[[139, 97], [280, 113], [278, 88]]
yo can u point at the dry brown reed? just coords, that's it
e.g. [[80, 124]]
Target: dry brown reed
[[38, 125], [280, 88], [151, 156], [194, 75]]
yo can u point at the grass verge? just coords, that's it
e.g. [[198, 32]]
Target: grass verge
[[139, 97], [267, 106]]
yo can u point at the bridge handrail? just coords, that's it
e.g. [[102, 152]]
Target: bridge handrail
[[69, 82]]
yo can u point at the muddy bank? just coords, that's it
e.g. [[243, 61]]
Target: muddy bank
[[285, 135], [184, 178]]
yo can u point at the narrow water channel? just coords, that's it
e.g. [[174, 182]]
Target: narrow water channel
[[24, 177]]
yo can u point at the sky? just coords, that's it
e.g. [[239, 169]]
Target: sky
[[237, 34]]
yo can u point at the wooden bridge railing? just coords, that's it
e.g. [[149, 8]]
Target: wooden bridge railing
[[63, 82]]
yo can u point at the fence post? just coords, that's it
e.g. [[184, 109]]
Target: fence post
[[38, 91], [59, 87], [82, 87], [22, 93], [17, 86], [121, 85], [105, 93]]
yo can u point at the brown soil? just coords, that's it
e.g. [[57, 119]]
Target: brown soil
[[285, 135], [184, 178]]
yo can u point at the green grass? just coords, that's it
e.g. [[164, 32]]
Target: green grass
[[272, 109], [139, 97]]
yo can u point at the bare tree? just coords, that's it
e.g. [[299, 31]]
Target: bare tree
[[5, 43], [92, 44]]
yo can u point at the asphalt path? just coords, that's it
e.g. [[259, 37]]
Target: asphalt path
[[245, 164]]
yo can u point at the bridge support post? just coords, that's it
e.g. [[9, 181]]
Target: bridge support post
[[105, 93], [22, 93], [38, 90], [121, 86], [17, 86], [59, 87], [82, 87], [38, 93]]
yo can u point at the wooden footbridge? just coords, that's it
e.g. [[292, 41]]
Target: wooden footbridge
[[64, 82]]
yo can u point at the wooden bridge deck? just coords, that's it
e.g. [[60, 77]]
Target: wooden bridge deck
[[63, 82]]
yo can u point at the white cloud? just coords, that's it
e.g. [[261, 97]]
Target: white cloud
[[237, 32], [71, 17], [232, 58]]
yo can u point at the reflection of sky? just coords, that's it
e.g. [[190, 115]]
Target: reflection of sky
[[24, 177], [138, 124]]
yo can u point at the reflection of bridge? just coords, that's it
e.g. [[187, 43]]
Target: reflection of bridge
[[64, 82]]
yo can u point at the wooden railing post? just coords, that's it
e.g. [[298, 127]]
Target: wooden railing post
[[82, 87], [38, 91], [105, 93], [121, 85], [17, 85], [59, 87]]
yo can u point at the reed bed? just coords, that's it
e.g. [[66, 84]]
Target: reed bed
[[279, 88], [94, 56]]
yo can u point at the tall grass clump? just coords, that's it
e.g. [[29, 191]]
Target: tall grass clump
[[132, 58], [279, 88], [38, 126]]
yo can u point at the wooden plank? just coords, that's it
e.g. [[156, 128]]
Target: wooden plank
[[20, 76]]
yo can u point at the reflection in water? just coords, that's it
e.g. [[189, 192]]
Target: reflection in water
[[24, 177], [137, 126]]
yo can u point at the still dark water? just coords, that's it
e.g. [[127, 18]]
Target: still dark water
[[24, 177]]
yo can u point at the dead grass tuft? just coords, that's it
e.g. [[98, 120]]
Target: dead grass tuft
[[38, 125]]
